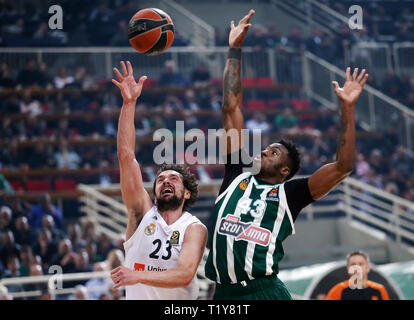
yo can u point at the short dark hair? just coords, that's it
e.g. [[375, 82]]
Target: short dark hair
[[189, 181], [294, 157], [357, 253]]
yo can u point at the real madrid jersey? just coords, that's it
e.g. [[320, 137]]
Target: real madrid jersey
[[156, 246], [251, 220]]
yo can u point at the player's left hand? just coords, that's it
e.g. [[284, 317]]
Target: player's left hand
[[352, 88], [238, 33], [123, 276]]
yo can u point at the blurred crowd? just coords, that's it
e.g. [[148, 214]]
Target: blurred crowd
[[35, 240]]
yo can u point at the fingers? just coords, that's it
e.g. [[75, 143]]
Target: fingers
[[335, 84], [355, 74], [118, 84], [124, 69], [362, 83], [142, 80], [118, 74], [348, 74], [130, 70], [247, 17], [232, 24], [361, 75]]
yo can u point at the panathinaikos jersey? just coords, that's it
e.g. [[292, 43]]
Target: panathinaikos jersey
[[251, 222]]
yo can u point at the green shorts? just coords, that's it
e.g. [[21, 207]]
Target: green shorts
[[267, 288]]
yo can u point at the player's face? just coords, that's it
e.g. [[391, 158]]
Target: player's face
[[169, 190], [359, 260], [273, 160]]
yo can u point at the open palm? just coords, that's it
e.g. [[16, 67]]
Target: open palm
[[130, 89], [238, 33], [352, 88]]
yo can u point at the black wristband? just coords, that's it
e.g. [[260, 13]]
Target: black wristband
[[234, 53]]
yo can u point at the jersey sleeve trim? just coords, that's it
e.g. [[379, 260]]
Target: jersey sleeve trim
[[282, 196]]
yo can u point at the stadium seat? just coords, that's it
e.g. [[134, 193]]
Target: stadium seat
[[216, 81], [38, 185], [275, 102], [16, 185], [65, 184], [299, 104], [256, 104], [249, 81], [265, 81]]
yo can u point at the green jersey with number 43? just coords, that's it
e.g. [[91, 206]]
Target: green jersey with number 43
[[251, 222]]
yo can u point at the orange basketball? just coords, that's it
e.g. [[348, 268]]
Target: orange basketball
[[151, 31]]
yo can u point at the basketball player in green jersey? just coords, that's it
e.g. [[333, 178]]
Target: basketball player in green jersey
[[253, 214]]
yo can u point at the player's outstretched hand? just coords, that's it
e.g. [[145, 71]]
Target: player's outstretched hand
[[238, 33], [130, 89], [352, 88]]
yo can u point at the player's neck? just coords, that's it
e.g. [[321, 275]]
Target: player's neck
[[269, 179], [171, 216]]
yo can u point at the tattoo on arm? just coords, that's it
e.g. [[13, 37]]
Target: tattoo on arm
[[231, 81]]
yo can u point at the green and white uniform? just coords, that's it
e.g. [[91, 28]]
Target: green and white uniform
[[251, 220]]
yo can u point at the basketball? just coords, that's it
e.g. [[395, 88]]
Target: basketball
[[151, 31]]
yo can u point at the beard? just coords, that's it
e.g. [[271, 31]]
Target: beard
[[170, 203]]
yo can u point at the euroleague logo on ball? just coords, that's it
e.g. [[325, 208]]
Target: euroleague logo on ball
[[151, 31]]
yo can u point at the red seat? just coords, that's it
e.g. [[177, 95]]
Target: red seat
[[149, 82], [256, 104], [16, 185], [216, 81], [299, 104], [38, 185], [249, 81], [265, 81], [275, 102], [65, 184]]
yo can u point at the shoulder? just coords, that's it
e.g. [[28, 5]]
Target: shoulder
[[375, 285], [196, 230]]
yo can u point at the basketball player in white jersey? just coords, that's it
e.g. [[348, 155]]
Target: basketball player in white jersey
[[164, 243]]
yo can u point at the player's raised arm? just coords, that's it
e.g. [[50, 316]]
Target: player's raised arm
[[134, 195], [232, 87], [330, 175]]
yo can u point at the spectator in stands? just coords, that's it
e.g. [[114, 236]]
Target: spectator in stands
[[13, 266], [66, 158], [45, 207], [82, 263], [49, 223], [377, 163], [41, 157], [201, 75], [4, 293], [258, 121], [62, 79], [36, 271], [104, 246], [30, 106], [74, 233], [10, 105], [45, 248], [362, 166], [120, 38], [98, 286], [9, 247], [81, 293], [109, 128], [403, 160], [286, 121], [115, 259], [5, 219], [24, 235], [89, 231], [171, 77], [59, 105], [6, 80], [190, 100], [30, 75], [65, 257], [91, 248], [26, 260]]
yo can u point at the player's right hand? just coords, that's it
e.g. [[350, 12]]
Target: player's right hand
[[130, 89], [238, 33]]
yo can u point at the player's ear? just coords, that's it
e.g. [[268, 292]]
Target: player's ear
[[187, 194], [285, 170]]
